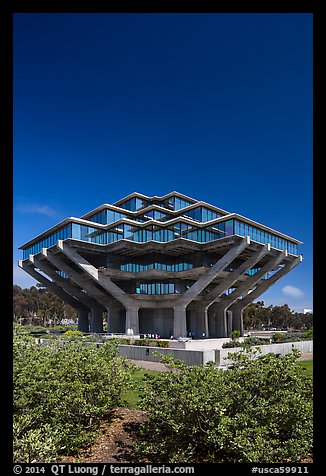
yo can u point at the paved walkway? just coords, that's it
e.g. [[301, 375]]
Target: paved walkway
[[306, 356], [151, 365]]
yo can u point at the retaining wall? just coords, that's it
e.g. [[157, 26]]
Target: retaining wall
[[190, 357], [282, 349]]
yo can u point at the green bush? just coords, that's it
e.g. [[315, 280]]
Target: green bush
[[231, 343], [308, 334], [27, 329], [72, 333], [235, 334], [61, 392], [120, 340], [278, 338], [58, 329], [151, 343], [162, 343], [258, 410]]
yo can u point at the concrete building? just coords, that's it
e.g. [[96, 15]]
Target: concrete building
[[171, 265]]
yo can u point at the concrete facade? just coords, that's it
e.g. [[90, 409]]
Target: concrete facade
[[170, 265]]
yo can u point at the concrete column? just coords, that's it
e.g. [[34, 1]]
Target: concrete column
[[82, 315], [201, 322], [179, 322], [132, 321], [229, 322], [221, 322], [237, 315], [113, 321], [96, 321]]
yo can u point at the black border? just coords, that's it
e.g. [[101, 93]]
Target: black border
[[8, 9]]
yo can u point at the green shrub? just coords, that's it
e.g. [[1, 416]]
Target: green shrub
[[145, 342], [61, 392], [258, 410], [235, 334], [162, 343], [308, 334], [278, 338], [231, 343], [152, 343], [72, 333], [27, 329], [58, 329], [120, 340]]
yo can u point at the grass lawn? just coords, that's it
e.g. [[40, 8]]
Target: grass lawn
[[132, 394], [307, 365]]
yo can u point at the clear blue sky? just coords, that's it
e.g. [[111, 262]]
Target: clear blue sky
[[216, 106]]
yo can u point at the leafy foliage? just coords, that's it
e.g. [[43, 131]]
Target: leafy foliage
[[257, 316], [235, 335], [308, 334], [61, 392], [152, 343], [37, 305], [72, 333], [259, 410]]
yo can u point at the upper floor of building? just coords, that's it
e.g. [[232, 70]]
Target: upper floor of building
[[140, 218]]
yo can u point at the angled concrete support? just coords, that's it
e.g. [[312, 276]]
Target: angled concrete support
[[234, 276], [67, 286], [245, 287], [82, 281], [264, 284], [213, 272], [53, 287], [93, 273], [83, 324], [237, 305]]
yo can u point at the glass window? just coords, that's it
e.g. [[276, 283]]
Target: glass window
[[195, 214], [129, 205], [229, 227]]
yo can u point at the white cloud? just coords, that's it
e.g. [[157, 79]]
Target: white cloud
[[34, 208], [292, 291]]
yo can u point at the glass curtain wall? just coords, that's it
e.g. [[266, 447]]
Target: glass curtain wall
[[160, 234]]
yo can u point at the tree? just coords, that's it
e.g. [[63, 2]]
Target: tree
[[258, 410], [60, 395], [281, 316], [39, 306]]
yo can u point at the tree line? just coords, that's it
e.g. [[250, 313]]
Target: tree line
[[257, 316], [38, 306]]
